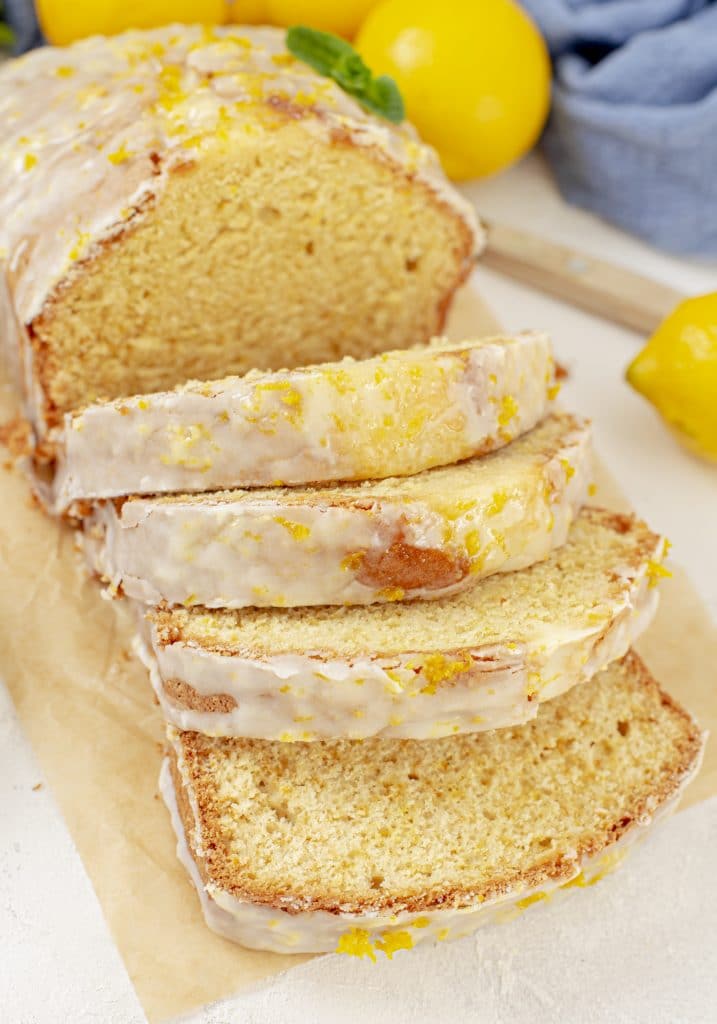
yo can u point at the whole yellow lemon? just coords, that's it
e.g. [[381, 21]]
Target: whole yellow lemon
[[63, 22], [475, 76], [327, 15], [677, 372], [248, 12]]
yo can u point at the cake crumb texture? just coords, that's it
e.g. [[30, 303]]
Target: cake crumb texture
[[414, 825]]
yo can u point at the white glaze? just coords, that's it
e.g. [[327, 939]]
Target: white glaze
[[392, 415], [302, 548], [303, 697], [282, 931], [80, 125]]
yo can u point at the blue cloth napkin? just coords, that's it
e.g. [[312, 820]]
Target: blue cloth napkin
[[633, 130], [20, 15]]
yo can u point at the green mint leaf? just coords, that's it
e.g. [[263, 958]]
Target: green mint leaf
[[351, 74], [384, 97], [335, 58], [320, 50]]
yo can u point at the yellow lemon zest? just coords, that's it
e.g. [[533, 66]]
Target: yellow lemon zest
[[533, 898], [498, 503], [568, 469], [508, 410], [353, 561], [297, 530], [437, 668], [120, 155], [356, 942], [77, 249], [655, 572], [393, 941]]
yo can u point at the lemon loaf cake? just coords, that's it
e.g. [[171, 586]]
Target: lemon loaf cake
[[421, 536], [392, 415], [481, 659], [189, 203], [378, 846]]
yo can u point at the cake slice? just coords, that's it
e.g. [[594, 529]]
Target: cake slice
[[393, 415], [481, 659], [191, 202], [415, 537], [380, 845]]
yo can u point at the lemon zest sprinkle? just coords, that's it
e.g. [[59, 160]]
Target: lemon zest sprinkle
[[535, 897], [437, 668], [297, 530], [656, 571], [508, 410], [500, 500], [568, 469], [393, 941], [356, 942], [353, 561], [120, 155]]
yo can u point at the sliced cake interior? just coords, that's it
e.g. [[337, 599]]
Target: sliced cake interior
[[196, 202], [361, 831]]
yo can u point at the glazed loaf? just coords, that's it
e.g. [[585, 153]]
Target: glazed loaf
[[186, 202]]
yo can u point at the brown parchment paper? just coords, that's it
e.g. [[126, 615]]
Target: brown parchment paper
[[87, 708]]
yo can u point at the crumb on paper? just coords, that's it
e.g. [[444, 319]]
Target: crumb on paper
[[36, 787], [15, 436]]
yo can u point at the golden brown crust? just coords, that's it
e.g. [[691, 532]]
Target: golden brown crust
[[185, 810], [638, 805], [409, 567], [182, 695], [40, 328]]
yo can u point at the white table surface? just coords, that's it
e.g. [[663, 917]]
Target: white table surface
[[639, 947]]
